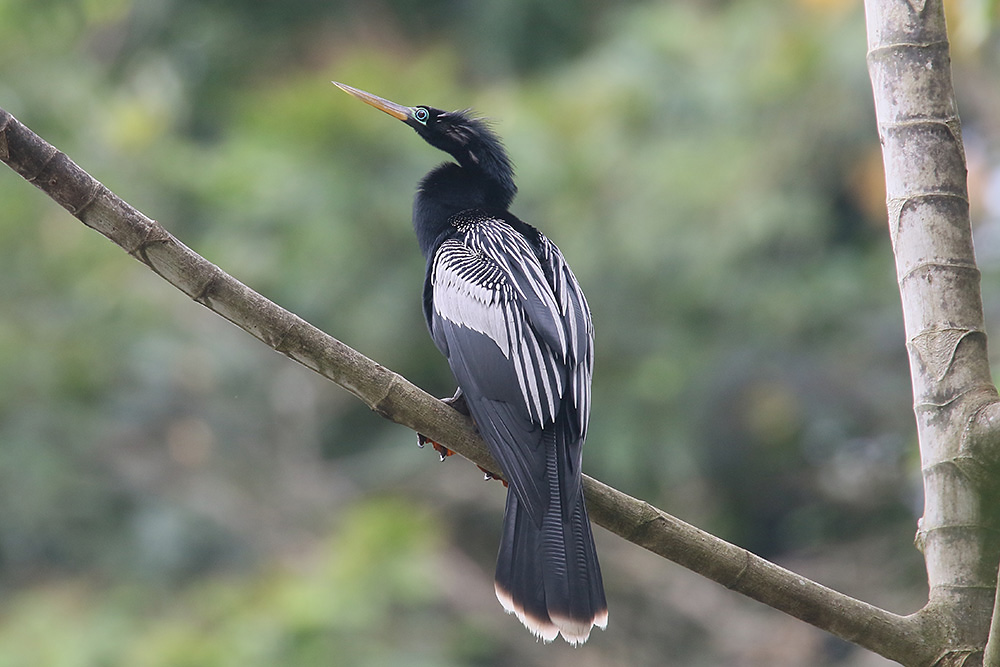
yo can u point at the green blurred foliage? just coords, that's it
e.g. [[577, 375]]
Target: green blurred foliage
[[174, 493], [334, 603]]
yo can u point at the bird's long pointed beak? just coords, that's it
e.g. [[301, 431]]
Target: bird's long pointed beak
[[391, 108]]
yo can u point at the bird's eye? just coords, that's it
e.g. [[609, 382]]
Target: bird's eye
[[421, 115]]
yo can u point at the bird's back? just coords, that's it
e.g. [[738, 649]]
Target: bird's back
[[507, 312]]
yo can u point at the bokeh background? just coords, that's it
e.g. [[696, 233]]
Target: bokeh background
[[174, 493]]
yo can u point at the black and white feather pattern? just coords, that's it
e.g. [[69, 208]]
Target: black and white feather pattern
[[490, 280], [511, 318], [506, 310]]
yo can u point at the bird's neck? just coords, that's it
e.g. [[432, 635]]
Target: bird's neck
[[450, 189]]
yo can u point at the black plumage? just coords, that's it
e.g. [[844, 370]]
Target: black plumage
[[507, 312]]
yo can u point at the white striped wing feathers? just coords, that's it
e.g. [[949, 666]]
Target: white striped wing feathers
[[490, 281]]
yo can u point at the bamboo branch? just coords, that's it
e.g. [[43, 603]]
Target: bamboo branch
[[905, 639], [939, 285]]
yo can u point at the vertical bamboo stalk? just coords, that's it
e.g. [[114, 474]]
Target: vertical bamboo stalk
[[939, 285]]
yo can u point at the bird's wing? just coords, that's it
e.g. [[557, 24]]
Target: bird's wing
[[516, 330], [580, 338], [579, 330]]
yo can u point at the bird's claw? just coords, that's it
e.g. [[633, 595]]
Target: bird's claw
[[458, 403], [442, 451], [487, 476]]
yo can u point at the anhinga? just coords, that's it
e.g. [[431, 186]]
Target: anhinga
[[503, 306]]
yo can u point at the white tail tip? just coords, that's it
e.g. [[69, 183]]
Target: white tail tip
[[573, 631]]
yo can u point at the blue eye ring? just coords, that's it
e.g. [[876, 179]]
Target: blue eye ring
[[421, 115]]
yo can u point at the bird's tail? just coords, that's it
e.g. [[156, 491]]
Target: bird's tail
[[548, 575]]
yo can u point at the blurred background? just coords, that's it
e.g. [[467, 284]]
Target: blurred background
[[174, 493]]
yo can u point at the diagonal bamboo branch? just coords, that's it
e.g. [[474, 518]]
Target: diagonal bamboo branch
[[907, 639]]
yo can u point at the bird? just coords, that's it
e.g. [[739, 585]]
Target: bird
[[504, 308]]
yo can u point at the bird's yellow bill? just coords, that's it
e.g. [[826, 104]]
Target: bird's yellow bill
[[391, 108]]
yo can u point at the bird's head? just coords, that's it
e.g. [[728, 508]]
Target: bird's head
[[465, 137]]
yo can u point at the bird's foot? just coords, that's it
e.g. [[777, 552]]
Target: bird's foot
[[487, 476], [442, 451], [458, 403]]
